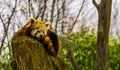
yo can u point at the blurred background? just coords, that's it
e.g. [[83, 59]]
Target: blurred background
[[76, 20]]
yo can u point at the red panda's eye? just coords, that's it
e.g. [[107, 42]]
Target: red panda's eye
[[37, 28], [38, 31]]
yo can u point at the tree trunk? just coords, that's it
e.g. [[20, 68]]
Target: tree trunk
[[29, 54], [104, 14]]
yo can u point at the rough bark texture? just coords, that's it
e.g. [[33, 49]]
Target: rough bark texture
[[104, 14], [29, 54]]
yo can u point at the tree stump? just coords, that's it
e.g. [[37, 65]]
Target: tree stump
[[29, 54]]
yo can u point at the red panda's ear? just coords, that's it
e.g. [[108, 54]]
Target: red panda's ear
[[31, 21], [47, 24]]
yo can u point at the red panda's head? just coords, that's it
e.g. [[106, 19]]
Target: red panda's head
[[37, 29]]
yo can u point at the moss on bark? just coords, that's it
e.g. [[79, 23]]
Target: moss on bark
[[29, 54]]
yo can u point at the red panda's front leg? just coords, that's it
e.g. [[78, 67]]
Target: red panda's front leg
[[49, 47], [54, 39]]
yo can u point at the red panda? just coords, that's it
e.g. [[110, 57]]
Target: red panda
[[41, 31]]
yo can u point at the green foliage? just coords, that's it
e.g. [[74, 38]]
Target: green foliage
[[114, 54], [5, 63], [64, 54], [84, 47]]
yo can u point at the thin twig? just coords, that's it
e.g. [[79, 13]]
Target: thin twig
[[52, 12], [6, 27], [77, 16], [39, 10], [44, 9]]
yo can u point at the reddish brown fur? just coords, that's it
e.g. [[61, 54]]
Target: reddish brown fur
[[50, 41], [21, 31]]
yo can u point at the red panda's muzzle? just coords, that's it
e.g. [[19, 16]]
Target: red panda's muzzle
[[39, 35]]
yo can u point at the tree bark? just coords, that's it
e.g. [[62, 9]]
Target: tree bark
[[104, 14], [29, 54]]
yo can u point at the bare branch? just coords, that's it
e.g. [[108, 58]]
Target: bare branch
[[39, 10], [4, 34], [2, 22], [63, 15], [77, 16], [52, 11], [7, 27], [96, 5], [29, 8], [57, 19], [12, 13], [44, 9]]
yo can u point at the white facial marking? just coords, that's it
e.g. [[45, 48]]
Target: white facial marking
[[33, 32], [39, 34]]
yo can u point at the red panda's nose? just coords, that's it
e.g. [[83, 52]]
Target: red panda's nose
[[38, 31], [41, 36]]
